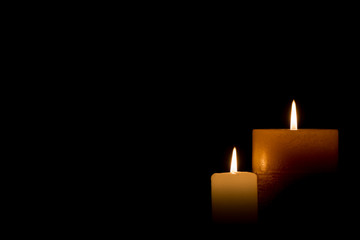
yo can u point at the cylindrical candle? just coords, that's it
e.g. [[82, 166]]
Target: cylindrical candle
[[299, 151], [281, 157], [234, 196]]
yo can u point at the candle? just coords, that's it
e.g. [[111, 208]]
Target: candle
[[283, 156], [234, 195]]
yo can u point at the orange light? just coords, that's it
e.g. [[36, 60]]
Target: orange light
[[293, 122], [233, 168]]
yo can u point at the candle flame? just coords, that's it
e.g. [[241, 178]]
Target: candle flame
[[293, 122], [233, 168]]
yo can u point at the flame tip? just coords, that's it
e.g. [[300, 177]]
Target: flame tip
[[233, 167]]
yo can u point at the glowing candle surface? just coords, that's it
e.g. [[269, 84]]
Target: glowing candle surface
[[234, 196], [281, 156]]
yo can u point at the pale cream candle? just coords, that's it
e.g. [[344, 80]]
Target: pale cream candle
[[234, 195]]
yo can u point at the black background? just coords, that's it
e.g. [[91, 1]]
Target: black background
[[150, 100], [198, 86], [191, 127], [203, 132]]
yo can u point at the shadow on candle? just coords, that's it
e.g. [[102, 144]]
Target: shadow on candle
[[306, 199], [234, 197]]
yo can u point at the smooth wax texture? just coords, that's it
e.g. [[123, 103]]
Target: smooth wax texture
[[234, 197], [295, 151]]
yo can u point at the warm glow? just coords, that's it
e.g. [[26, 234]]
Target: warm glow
[[233, 168], [293, 123]]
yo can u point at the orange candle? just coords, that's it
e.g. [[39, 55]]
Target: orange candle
[[283, 156], [234, 196]]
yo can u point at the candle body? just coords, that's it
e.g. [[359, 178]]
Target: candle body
[[234, 197], [305, 150], [282, 157]]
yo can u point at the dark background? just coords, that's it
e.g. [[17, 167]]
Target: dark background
[[192, 126], [204, 130], [198, 86], [150, 100]]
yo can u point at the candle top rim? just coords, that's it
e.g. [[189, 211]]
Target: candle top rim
[[236, 173], [301, 129], [239, 175]]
